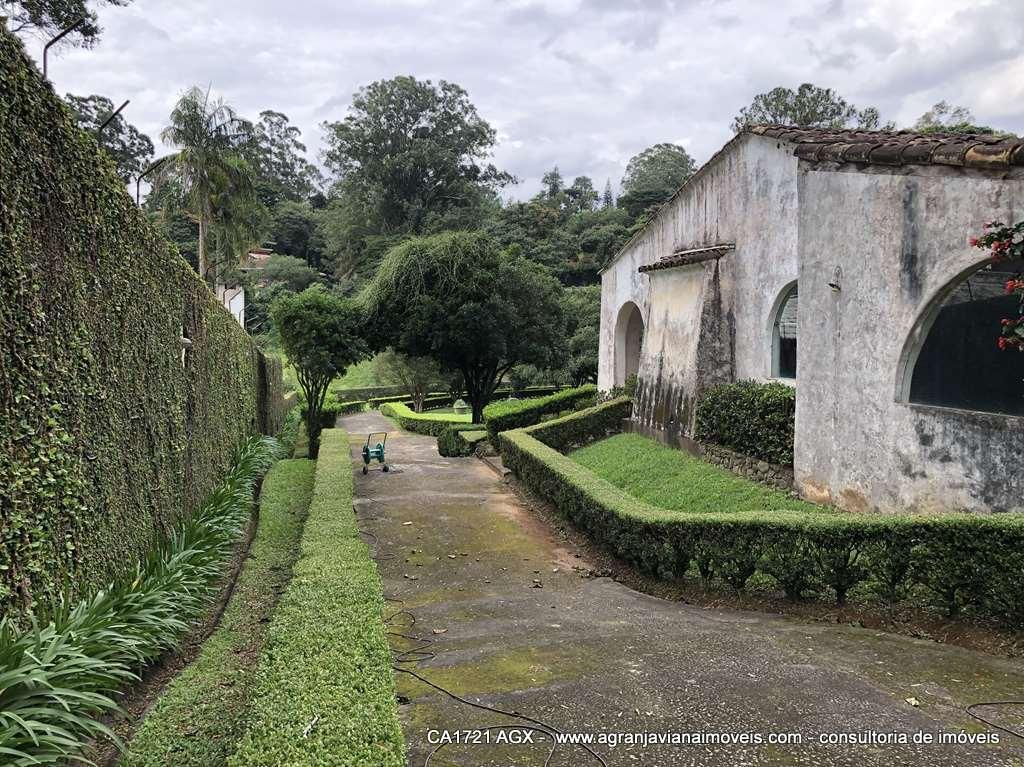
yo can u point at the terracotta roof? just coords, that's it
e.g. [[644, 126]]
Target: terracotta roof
[[688, 257], [970, 150]]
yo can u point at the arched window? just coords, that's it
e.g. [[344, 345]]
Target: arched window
[[784, 329], [629, 340], [959, 363]]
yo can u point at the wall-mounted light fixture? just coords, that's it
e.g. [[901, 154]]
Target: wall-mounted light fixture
[[837, 280]]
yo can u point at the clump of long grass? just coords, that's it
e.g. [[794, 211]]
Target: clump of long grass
[[62, 672]]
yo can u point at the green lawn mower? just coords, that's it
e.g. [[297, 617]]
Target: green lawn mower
[[374, 452]]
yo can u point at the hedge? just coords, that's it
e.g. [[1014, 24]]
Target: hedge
[[964, 562], [460, 439], [443, 399], [514, 414], [209, 699], [755, 419], [107, 440], [422, 423], [325, 692]]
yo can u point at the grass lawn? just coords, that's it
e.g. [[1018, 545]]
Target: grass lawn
[[200, 717], [672, 479], [360, 376]]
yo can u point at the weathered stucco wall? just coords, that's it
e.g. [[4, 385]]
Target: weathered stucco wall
[[899, 238], [708, 322]]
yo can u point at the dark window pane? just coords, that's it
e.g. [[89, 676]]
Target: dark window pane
[[785, 336], [960, 364]]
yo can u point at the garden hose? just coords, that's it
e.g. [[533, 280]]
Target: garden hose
[[989, 722]]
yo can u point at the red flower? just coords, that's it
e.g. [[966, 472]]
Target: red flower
[[1011, 285], [974, 242], [1002, 343]]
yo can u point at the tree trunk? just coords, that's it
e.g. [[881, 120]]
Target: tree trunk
[[201, 249]]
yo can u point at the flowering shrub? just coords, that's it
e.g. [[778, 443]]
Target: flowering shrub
[[1006, 243]]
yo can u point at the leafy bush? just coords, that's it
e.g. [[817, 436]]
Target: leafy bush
[[460, 439], [64, 671], [515, 414], [431, 424], [969, 563], [210, 697], [325, 690], [751, 418]]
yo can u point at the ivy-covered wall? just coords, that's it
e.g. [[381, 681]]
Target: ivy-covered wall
[[106, 436]]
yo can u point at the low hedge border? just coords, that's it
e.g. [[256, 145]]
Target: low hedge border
[[209, 699], [432, 425], [750, 418], [965, 563], [325, 692], [460, 439], [515, 414]]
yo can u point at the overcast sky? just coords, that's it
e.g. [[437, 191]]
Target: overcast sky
[[583, 84]]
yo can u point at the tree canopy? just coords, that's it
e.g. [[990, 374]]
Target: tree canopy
[[946, 118], [410, 157], [653, 176], [276, 153], [321, 335], [129, 148], [808, 106], [48, 17], [457, 298], [216, 183]]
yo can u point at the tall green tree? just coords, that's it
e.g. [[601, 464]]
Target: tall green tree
[[654, 175], [583, 329], [562, 228], [46, 18], [808, 106], [215, 181], [417, 376], [946, 118], [410, 157], [457, 298], [295, 231], [277, 155], [321, 336], [129, 148]]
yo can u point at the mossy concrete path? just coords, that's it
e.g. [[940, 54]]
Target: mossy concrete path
[[518, 624]]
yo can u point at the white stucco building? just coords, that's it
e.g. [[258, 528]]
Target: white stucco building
[[839, 262]]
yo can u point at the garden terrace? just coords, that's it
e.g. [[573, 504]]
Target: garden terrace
[[428, 422], [961, 563], [513, 414]]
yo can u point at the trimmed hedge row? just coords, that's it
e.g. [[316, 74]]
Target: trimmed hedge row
[[421, 423], [515, 414], [209, 699], [325, 692], [460, 439], [751, 418], [963, 562], [442, 399]]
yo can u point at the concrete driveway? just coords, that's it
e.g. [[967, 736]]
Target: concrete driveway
[[517, 624]]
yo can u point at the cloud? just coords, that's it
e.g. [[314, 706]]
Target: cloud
[[583, 84]]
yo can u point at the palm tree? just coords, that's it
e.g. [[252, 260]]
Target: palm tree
[[208, 135]]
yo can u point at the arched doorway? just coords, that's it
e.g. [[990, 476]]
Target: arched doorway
[[629, 339], [952, 358]]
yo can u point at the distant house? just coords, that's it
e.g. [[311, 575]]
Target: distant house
[[839, 262]]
